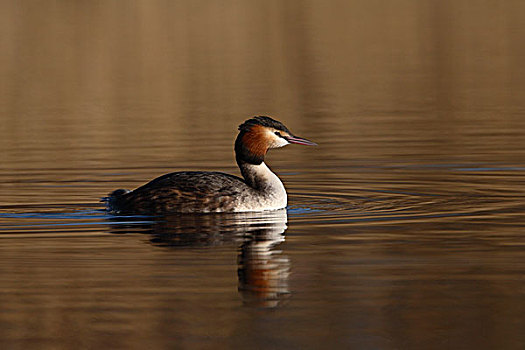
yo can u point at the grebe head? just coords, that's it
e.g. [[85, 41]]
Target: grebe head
[[259, 134]]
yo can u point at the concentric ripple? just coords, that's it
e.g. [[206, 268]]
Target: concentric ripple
[[435, 196]]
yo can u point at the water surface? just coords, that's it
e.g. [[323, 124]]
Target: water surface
[[405, 226]]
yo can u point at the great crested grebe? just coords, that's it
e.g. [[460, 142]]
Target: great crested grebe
[[210, 191]]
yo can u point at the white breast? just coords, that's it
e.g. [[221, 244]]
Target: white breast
[[271, 194]]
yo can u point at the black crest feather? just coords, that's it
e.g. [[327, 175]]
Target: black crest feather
[[263, 121]]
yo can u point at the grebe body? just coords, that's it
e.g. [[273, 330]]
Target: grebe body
[[203, 191]]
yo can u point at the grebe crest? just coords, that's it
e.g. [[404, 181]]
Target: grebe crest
[[257, 136], [201, 191]]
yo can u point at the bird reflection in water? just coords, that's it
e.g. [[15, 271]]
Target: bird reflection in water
[[263, 271]]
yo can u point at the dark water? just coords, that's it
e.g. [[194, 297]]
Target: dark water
[[405, 227]]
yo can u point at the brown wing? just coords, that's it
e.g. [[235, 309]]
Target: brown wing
[[182, 192]]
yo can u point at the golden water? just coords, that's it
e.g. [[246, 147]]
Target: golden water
[[405, 227]]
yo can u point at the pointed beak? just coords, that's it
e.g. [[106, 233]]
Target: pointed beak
[[299, 140]]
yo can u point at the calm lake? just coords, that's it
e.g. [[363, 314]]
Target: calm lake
[[405, 227]]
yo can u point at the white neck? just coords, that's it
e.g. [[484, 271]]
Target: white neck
[[262, 179]]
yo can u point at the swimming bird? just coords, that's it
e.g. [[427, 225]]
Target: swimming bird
[[209, 191]]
